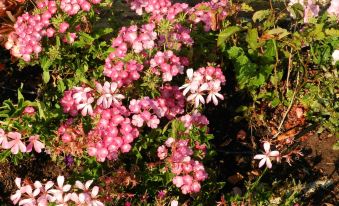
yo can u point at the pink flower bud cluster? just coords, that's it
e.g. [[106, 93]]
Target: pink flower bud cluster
[[334, 8], [204, 80], [37, 193], [189, 173], [14, 142], [29, 31], [209, 13], [123, 73], [178, 36], [143, 112], [168, 63], [146, 110], [72, 7], [195, 119], [113, 134], [78, 99], [159, 9]]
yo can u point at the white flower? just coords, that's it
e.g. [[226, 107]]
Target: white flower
[[214, 93], [108, 95], [81, 94], [86, 107], [265, 158], [174, 203], [197, 97], [335, 56]]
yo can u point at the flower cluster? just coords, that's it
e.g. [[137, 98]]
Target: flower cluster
[[123, 73], [189, 173], [334, 8], [176, 37], [78, 99], [311, 10], [29, 30], [14, 142], [335, 56], [168, 63], [204, 80], [37, 193], [72, 7], [159, 9], [196, 119], [209, 13], [113, 133]]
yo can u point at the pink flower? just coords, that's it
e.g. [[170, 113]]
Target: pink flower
[[29, 110], [16, 144], [17, 196], [265, 158], [162, 152], [34, 142], [63, 27], [3, 137]]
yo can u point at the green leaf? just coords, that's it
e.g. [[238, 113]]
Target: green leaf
[[226, 33], [252, 38], [261, 15], [45, 64], [280, 32]]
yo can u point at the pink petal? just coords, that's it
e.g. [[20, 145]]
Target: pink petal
[[215, 100], [15, 149], [18, 182], [66, 188]]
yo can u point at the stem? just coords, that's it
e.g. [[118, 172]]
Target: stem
[[288, 109]]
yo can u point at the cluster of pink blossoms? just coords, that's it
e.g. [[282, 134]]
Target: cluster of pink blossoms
[[196, 119], [204, 80], [29, 30], [113, 134], [176, 37], [334, 8], [72, 7], [78, 99], [14, 142], [168, 63], [206, 12], [189, 173], [159, 9], [37, 193], [123, 73], [146, 110]]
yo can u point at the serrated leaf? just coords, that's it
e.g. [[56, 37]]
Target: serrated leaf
[[226, 33]]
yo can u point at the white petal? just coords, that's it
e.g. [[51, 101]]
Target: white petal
[[268, 163], [262, 162], [274, 153], [189, 73], [88, 184], [95, 191], [79, 185], [267, 147], [259, 156], [215, 100]]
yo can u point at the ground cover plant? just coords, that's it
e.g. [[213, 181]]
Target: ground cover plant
[[145, 102]]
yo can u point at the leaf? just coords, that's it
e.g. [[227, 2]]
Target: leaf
[[45, 64], [246, 7], [260, 15], [332, 32], [252, 38], [288, 134], [280, 32], [226, 33]]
